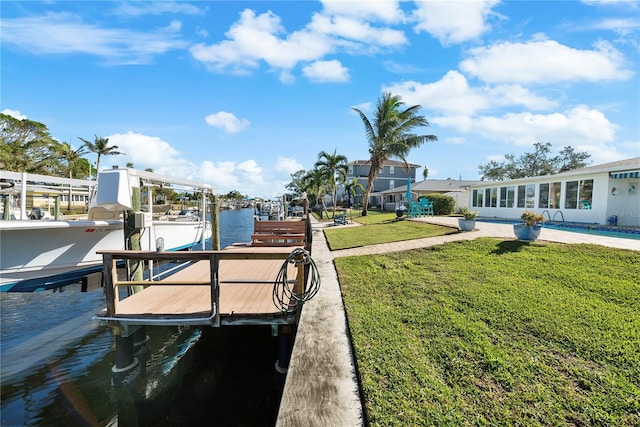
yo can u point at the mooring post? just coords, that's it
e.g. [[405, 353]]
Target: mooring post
[[284, 349], [127, 367]]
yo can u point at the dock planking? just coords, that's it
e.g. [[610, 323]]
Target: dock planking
[[245, 283]]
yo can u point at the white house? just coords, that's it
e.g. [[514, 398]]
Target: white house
[[603, 194]]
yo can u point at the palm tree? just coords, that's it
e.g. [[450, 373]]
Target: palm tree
[[100, 146], [334, 168], [73, 158], [352, 188], [425, 172], [391, 135], [314, 183]]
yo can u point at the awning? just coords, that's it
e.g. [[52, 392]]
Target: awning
[[621, 175]]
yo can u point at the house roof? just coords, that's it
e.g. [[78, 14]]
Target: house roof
[[433, 186], [387, 163], [626, 165]]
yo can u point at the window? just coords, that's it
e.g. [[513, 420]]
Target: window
[[476, 199], [351, 170], [392, 184], [554, 195], [543, 197], [521, 195], [487, 197], [585, 194], [510, 195], [531, 194], [503, 197], [571, 199], [494, 197], [391, 170]]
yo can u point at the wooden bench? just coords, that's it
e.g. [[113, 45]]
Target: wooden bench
[[340, 219], [279, 233]]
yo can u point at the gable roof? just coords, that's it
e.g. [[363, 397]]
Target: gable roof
[[387, 163]]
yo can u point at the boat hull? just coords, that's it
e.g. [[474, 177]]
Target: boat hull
[[44, 254]]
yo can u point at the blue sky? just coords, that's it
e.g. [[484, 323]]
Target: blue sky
[[242, 94]]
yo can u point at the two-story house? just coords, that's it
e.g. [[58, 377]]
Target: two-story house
[[392, 174]]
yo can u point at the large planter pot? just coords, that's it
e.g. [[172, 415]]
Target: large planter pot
[[527, 233], [466, 224], [399, 212]]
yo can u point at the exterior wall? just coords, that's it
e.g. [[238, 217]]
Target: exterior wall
[[605, 202], [623, 200], [384, 181]]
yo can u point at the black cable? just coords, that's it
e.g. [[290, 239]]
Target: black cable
[[284, 295]]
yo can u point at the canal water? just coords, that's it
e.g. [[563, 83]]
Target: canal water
[[55, 364]]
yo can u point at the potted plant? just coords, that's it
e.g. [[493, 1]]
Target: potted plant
[[529, 229], [468, 220]]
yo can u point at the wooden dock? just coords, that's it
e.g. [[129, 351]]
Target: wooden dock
[[231, 286]]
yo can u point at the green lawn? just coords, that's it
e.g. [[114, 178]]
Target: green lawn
[[381, 228], [492, 332]]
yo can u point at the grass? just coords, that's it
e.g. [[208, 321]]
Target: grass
[[491, 332], [381, 228]]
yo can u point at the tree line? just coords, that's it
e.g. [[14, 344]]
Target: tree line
[[27, 146]]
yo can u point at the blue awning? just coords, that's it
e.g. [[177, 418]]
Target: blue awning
[[621, 175]]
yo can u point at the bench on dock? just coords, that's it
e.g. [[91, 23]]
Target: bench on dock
[[279, 233], [340, 219]]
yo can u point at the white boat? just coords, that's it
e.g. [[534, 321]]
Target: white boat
[[37, 255]]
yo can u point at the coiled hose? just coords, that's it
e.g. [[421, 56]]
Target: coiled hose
[[284, 294]]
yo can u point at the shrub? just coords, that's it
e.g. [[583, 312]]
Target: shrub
[[531, 218], [442, 204], [468, 214]]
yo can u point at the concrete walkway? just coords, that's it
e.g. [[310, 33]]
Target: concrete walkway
[[486, 229], [321, 388]]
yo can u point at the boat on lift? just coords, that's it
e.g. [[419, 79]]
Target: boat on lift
[[45, 254]]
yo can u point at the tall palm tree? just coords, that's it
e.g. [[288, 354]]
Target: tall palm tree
[[73, 159], [101, 147], [391, 135], [334, 168]]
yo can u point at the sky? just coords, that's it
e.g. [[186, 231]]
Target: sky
[[242, 94]]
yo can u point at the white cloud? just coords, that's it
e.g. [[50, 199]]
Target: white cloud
[[136, 9], [385, 11], [622, 26], [453, 95], [261, 38], [543, 62], [632, 3], [287, 165], [65, 33], [453, 22], [247, 176], [142, 150], [326, 71], [578, 127], [256, 38], [354, 33], [226, 121], [364, 107], [14, 113]]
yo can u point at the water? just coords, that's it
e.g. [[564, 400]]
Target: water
[[56, 364], [584, 228]]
